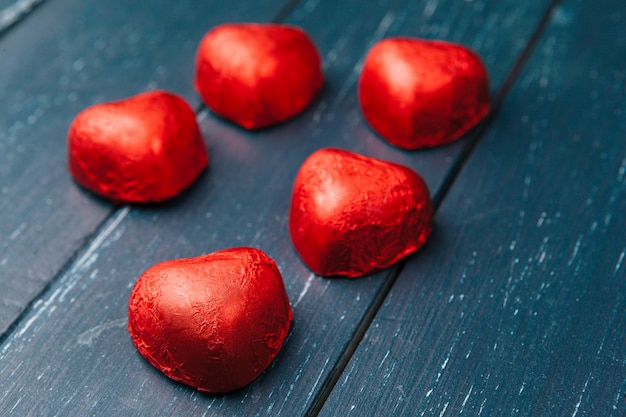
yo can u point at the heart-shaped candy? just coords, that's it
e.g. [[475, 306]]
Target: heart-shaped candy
[[351, 215], [214, 322], [417, 93], [146, 148], [257, 75]]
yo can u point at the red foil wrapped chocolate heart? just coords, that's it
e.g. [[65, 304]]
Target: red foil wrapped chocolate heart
[[257, 75], [351, 215], [214, 322], [417, 93], [146, 148]]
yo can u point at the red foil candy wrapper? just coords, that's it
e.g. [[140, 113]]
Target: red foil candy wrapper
[[257, 75], [147, 148], [214, 322], [417, 93], [351, 215]]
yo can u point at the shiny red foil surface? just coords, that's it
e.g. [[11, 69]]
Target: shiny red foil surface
[[257, 75], [417, 93], [146, 148], [351, 215], [214, 322]]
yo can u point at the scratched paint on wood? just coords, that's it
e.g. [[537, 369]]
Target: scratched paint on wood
[[524, 314]]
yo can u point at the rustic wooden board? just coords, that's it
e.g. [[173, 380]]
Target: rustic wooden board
[[72, 347], [517, 305], [12, 11], [66, 55]]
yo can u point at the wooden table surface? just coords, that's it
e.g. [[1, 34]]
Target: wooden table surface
[[515, 307]]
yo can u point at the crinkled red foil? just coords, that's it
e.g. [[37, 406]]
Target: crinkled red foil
[[351, 215], [146, 148], [417, 93], [257, 75], [214, 322]]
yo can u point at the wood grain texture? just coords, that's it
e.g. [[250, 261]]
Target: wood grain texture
[[73, 347], [517, 305], [67, 55]]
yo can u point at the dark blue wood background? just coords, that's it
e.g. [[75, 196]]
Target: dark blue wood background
[[515, 307]]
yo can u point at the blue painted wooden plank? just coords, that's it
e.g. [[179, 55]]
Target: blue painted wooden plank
[[12, 11], [67, 55], [73, 348], [516, 306]]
